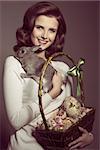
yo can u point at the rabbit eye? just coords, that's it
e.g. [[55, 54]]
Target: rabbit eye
[[21, 52]]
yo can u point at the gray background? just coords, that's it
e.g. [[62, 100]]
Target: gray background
[[81, 41]]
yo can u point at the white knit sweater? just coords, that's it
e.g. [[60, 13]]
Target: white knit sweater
[[21, 100]]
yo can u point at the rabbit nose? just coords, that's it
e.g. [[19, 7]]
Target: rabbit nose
[[36, 48]]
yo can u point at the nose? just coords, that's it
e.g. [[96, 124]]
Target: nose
[[44, 35]]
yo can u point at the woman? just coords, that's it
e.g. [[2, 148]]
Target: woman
[[44, 26]]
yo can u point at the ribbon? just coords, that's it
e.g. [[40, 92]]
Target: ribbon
[[77, 72]]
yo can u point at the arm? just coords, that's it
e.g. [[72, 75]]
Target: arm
[[61, 75], [19, 113], [57, 82]]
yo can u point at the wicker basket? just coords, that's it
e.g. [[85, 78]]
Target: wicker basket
[[59, 140]]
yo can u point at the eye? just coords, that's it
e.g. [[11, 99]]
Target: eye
[[53, 30], [38, 27], [22, 52]]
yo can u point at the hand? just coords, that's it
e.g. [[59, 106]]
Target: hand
[[57, 82], [82, 141]]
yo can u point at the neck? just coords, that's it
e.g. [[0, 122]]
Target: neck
[[42, 55]]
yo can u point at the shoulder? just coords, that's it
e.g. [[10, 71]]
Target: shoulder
[[11, 62], [10, 59]]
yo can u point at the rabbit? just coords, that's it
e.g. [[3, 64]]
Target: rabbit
[[32, 65]]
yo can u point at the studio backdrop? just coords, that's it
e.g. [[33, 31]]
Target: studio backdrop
[[81, 41]]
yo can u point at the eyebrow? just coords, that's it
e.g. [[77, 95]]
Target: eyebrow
[[53, 28], [38, 25]]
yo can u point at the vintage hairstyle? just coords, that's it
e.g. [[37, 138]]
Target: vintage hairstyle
[[23, 34]]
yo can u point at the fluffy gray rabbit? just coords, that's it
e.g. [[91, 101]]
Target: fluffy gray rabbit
[[32, 64]]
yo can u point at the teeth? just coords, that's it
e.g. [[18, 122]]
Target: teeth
[[42, 42]]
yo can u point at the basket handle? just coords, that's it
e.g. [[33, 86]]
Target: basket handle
[[74, 71]]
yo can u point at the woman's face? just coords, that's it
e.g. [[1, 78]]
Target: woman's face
[[44, 31]]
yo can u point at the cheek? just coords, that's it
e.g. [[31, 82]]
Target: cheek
[[52, 37], [35, 33], [34, 37]]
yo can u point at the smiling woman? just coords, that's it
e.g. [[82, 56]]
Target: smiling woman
[[44, 31], [43, 26], [47, 23]]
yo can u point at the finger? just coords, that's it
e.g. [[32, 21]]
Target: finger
[[75, 141], [76, 146], [83, 130]]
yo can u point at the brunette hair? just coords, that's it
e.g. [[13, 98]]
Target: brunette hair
[[23, 34]]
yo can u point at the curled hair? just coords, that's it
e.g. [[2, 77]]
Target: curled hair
[[23, 34]]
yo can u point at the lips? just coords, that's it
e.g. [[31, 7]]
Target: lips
[[42, 41]]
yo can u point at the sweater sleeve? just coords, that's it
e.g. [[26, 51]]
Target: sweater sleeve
[[19, 114]]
